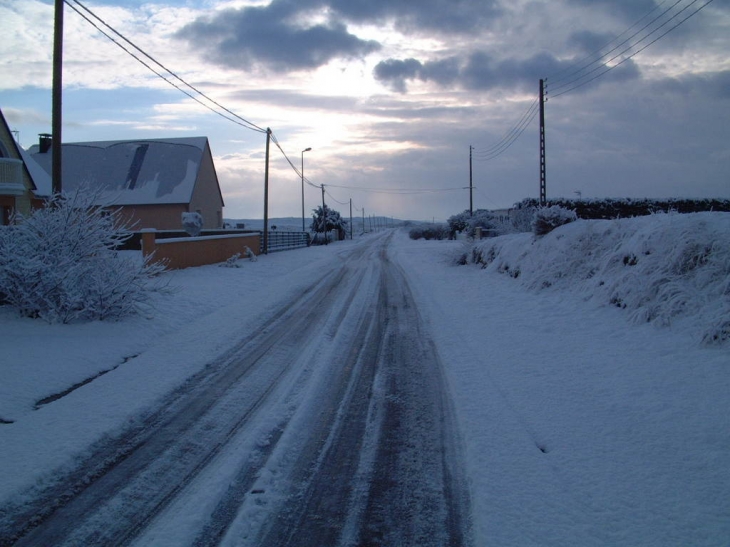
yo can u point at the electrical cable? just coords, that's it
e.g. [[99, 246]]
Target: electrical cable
[[291, 164], [609, 68], [243, 122], [482, 155], [507, 136], [557, 78], [398, 191], [514, 133], [333, 198]]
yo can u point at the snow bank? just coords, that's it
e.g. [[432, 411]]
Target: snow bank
[[662, 269]]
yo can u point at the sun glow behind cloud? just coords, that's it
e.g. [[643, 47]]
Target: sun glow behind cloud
[[467, 85]]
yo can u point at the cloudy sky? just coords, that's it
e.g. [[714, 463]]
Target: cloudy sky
[[391, 94]]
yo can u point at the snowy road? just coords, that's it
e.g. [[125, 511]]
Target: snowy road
[[328, 425]]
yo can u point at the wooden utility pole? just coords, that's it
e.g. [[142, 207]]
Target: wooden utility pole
[[266, 194], [305, 150], [56, 102], [543, 177], [324, 218], [351, 219], [471, 200]]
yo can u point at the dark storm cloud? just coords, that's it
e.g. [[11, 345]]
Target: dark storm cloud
[[629, 9], [480, 71], [272, 36], [588, 42], [278, 36], [395, 72], [443, 16], [714, 84]]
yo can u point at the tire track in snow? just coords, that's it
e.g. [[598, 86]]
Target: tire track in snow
[[382, 464], [144, 469], [376, 462]]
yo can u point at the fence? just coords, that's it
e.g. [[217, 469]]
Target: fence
[[281, 241]]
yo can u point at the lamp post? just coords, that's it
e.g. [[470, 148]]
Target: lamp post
[[305, 150]]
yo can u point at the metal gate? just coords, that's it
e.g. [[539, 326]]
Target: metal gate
[[282, 241]]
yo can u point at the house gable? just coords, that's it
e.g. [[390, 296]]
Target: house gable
[[207, 198], [152, 180], [21, 179]]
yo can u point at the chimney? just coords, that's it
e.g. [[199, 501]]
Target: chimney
[[44, 142]]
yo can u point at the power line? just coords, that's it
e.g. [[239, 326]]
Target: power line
[[510, 137], [291, 164], [334, 199], [608, 68], [236, 118], [399, 191], [559, 77], [516, 131]]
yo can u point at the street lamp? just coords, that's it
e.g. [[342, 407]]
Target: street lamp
[[305, 150]]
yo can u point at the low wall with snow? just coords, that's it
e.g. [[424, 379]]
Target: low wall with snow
[[186, 252]]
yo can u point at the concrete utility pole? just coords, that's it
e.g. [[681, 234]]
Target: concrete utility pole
[[543, 175], [471, 187], [266, 194], [56, 103]]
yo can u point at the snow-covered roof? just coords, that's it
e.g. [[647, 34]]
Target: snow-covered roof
[[41, 179], [133, 172]]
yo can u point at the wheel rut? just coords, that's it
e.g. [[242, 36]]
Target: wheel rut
[[331, 422]]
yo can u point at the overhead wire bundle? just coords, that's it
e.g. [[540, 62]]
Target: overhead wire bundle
[[604, 60], [601, 61], [170, 77]]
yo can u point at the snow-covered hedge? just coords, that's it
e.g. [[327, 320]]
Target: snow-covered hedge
[[661, 268], [60, 264], [430, 231], [609, 208], [546, 219], [490, 223]]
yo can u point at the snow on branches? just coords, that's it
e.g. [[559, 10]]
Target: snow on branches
[[330, 220], [60, 263], [546, 219]]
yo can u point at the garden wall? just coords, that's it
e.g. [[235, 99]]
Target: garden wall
[[187, 252]]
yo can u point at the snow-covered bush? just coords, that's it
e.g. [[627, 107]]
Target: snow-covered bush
[[192, 223], [521, 217], [231, 262], [661, 269], [430, 231], [249, 254], [330, 220], [546, 219], [490, 223], [60, 263]]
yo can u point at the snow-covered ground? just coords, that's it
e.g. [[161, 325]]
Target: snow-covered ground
[[594, 407]]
